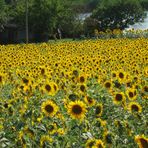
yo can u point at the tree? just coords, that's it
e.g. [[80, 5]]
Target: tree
[[92, 4], [144, 4], [45, 17], [112, 14], [4, 15]]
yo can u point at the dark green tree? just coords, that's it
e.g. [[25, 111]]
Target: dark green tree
[[45, 17], [4, 14], [144, 4], [112, 14]]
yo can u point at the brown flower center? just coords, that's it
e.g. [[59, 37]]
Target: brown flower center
[[55, 87], [114, 75], [75, 72], [91, 144], [48, 87], [77, 109], [121, 75], [82, 79], [144, 143], [42, 71], [131, 95], [135, 108], [49, 108], [89, 100], [145, 88], [118, 97], [25, 80], [82, 88], [107, 85]]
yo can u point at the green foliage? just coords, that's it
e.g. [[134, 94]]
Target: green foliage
[[45, 16], [144, 4], [3, 14], [117, 14]]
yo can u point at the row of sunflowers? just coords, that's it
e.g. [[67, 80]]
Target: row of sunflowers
[[78, 94], [117, 33]]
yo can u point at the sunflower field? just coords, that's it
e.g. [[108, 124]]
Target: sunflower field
[[75, 94]]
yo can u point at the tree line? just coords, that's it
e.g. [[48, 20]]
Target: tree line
[[45, 16]]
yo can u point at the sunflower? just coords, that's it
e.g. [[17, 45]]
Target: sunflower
[[119, 98], [100, 122], [82, 78], [50, 88], [26, 80], [108, 84], [145, 89], [61, 131], [77, 109], [75, 72], [114, 75], [117, 84], [82, 88], [99, 144], [21, 139], [134, 107], [45, 138], [2, 78], [29, 132], [99, 110], [145, 92], [131, 93], [90, 143], [121, 76], [49, 108], [89, 101], [42, 70], [142, 141], [108, 138], [52, 128]]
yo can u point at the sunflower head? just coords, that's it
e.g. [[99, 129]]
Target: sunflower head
[[82, 88], [100, 122], [52, 128], [131, 93], [134, 107], [145, 89], [49, 108], [142, 141], [118, 98], [26, 81], [50, 88], [45, 138], [114, 75], [98, 110], [90, 143], [82, 79], [77, 109], [99, 144], [0, 79], [108, 137], [107, 84], [121, 76], [89, 101], [75, 73]]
